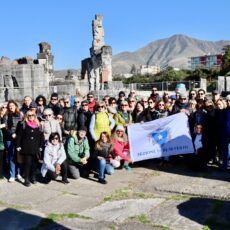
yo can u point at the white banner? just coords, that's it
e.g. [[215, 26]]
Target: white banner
[[159, 138]]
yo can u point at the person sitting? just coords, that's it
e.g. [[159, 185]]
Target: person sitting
[[103, 154], [54, 160], [78, 153], [121, 148]]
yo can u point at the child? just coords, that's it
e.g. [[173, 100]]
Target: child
[[103, 154]]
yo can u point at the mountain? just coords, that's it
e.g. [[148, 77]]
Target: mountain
[[173, 51]]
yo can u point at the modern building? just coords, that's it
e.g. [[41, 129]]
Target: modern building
[[206, 61]]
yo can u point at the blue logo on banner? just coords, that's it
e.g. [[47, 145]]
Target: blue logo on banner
[[160, 136]]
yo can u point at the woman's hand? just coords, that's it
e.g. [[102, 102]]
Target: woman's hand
[[58, 169], [84, 161]]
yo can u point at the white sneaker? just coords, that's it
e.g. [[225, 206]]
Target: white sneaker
[[12, 179], [19, 178]]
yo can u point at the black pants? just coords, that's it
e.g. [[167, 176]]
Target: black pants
[[1, 163], [30, 166], [52, 175]]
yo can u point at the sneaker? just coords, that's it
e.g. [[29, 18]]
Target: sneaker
[[19, 178], [128, 168], [12, 179], [102, 181]]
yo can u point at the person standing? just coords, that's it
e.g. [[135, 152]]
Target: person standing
[[30, 142]]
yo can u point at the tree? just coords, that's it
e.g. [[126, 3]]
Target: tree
[[226, 61]]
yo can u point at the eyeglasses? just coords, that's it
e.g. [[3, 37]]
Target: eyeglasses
[[48, 115], [53, 99], [55, 138], [101, 107], [30, 115]]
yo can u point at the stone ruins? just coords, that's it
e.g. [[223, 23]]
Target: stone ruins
[[26, 76], [98, 68]]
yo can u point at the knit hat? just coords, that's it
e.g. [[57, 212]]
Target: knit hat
[[120, 127]]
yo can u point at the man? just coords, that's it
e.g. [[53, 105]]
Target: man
[[182, 105], [201, 95], [26, 105], [91, 102], [54, 104], [154, 95], [215, 97]]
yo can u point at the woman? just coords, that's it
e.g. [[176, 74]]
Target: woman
[[123, 116], [54, 160], [121, 148], [50, 125], [11, 120], [103, 155], [78, 153], [161, 109], [30, 141], [138, 113], [41, 106], [100, 122]]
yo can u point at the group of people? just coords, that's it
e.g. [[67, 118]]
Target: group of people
[[74, 139]]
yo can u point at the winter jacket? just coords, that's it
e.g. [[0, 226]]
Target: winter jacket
[[119, 148], [77, 149], [29, 139], [57, 108], [70, 118], [49, 127], [106, 152], [120, 120], [54, 154]]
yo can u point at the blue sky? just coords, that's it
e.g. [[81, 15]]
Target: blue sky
[[128, 25]]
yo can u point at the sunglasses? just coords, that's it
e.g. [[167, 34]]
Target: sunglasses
[[76, 102], [66, 102], [131, 101], [101, 106], [90, 97], [113, 102], [53, 99], [201, 93], [120, 131], [183, 99], [31, 115], [84, 104], [161, 104], [150, 102], [192, 94], [124, 105]]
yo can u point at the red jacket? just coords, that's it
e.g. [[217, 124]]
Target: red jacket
[[92, 106], [119, 148]]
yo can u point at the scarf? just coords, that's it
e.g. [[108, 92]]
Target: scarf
[[32, 124]]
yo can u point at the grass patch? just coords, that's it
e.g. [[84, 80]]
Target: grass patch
[[155, 173], [55, 217], [123, 194], [146, 221], [15, 206], [178, 197]]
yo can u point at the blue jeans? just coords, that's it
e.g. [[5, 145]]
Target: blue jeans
[[12, 158], [104, 167]]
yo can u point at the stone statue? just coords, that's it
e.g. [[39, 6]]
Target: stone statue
[[69, 75], [98, 34]]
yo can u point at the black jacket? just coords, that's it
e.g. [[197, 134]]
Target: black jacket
[[70, 118], [29, 139]]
